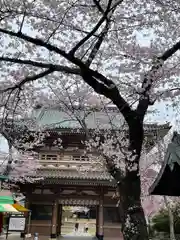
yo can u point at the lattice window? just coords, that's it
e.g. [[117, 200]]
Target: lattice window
[[49, 157], [80, 158], [41, 212]]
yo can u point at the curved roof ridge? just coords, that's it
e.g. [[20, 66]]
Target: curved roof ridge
[[109, 107]]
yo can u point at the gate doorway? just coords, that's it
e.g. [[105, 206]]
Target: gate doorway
[[78, 221]]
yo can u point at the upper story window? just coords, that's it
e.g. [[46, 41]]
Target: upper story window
[[80, 158], [49, 157]]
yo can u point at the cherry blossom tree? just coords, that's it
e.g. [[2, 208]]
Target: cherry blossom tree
[[18, 167], [23, 167], [151, 204], [95, 43]]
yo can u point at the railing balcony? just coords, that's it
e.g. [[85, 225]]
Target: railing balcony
[[65, 162]]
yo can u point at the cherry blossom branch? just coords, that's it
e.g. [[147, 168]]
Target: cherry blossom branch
[[58, 68], [41, 17], [98, 43], [97, 3], [117, 2], [103, 33], [80, 43], [93, 31], [36, 41], [96, 80], [61, 21], [165, 92], [107, 88], [21, 26], [170, 52], [23, 17], [144, 101], [28, 79], [50, 47]]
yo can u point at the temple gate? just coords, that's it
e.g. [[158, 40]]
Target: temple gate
[[68, 176]]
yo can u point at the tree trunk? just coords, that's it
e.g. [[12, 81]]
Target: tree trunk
[[134, 225], [10, 160], [171, 219], [133, 220]]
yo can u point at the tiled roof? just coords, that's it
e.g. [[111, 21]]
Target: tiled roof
[[54, 118], [73, 174], [58, 118], [55, 176], [166, 182], [81, 182]]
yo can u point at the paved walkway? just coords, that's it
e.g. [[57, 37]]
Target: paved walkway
[[77, 238], [72, 237], [79, 233], [17, 237]]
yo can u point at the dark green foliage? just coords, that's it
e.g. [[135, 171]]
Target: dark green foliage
[[160, 222]]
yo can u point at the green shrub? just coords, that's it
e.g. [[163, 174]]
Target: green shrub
[[160, 222]]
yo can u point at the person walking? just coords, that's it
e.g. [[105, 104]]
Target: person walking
[[86, 228], [76, 226]]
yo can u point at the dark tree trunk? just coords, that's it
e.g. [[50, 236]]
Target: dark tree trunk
[[132, 216], [134, 225]]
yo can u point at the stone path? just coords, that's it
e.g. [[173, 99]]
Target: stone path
[[17, 237], [79, 233], [69, 237], [77, 238]]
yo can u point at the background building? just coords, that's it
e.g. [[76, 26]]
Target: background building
[[70, 178]]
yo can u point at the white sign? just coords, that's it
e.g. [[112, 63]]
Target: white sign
[[28, 235], [17, 223]]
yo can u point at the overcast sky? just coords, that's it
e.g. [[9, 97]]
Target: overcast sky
[[3, 144]]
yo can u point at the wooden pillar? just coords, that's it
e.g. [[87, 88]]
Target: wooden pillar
[[59, 220], [100, 215], [26, 214], [97, 220], [54, 220]]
